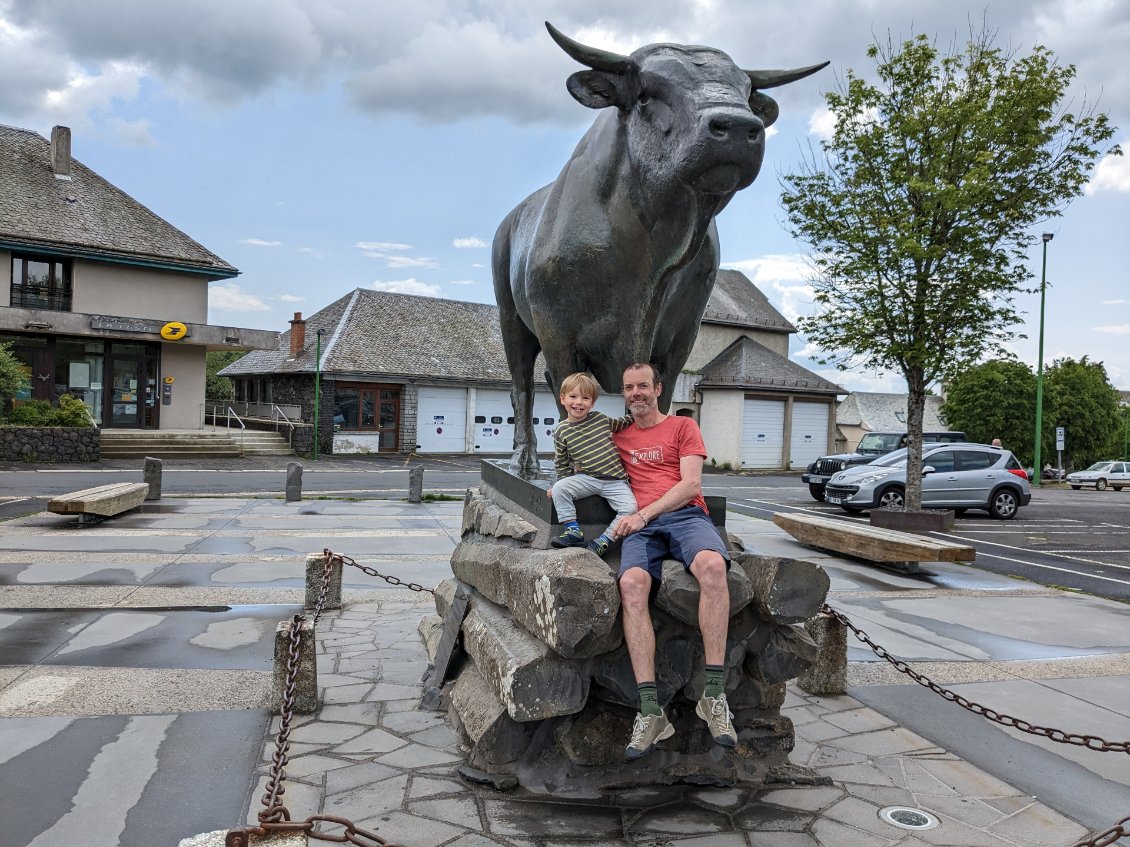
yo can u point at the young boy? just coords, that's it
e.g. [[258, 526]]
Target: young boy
[[587, 463]]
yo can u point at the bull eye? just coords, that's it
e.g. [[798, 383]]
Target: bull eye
[[644, 98]]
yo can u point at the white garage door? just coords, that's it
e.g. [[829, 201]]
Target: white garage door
[[763, 433], [494, 422], [441, 420], [810, 434]]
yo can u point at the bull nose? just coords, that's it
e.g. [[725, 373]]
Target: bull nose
[[734, 125]]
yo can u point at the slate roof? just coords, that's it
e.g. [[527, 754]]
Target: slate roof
[[400, 335], [879, 412], [748, 364], [85, 215], [405, 335], [736, 301]]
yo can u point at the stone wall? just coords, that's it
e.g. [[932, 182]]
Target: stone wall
[[549, 693], [61, 444]]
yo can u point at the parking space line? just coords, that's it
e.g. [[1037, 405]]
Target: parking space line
[[1054, 568]]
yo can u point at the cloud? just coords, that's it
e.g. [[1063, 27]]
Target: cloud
[[259, 242], [231, 298], [1120, 302], [465, 243], [411, 262], [290, 298], [407, 286], [463, 282], [779, 267], [478, 265], [822, 123], [1113, 329], [1111, 174], [382, 247], [131, 133]]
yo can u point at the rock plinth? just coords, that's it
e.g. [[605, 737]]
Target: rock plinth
[[548, 695]]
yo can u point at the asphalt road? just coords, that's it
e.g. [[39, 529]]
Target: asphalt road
[[1079, 540]]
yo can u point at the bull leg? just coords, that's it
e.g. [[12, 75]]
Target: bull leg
[[521, 348]]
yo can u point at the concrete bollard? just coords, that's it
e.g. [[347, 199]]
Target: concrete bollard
[[315, 567], [153, 477], [827, 676], [306, 681], [293, 482], [415, 484]]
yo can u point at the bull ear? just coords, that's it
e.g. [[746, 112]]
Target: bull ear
[[597, 89], [765, 107]]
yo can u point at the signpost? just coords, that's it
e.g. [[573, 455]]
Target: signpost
[[1060, 433]]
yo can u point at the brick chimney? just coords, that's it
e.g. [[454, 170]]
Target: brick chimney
[[61, 151], [297, 335]]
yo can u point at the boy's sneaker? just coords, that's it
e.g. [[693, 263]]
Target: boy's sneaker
[[569, 538], [600, 546], [716, 712], [646, 731]]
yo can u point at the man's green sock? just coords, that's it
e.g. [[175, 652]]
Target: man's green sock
[[715, 680], [649, 699]]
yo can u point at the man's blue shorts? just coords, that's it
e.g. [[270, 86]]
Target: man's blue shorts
[[681, 534]]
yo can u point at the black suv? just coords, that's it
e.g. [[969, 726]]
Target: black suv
[[871, 447]]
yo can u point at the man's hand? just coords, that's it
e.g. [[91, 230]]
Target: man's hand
[[629, 524]]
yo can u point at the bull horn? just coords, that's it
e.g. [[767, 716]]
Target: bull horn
[[598, 60], [771, 79]]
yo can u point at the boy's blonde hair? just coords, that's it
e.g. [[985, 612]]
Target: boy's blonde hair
[[582, 382]]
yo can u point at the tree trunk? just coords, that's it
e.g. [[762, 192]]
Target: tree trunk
[[915, 406]]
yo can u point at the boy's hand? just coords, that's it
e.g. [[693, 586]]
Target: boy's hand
[[549, 493]]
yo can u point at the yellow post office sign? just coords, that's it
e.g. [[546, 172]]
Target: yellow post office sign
[[169, 380], [174, 331]]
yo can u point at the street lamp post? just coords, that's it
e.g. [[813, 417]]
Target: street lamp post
[[317, 390], [1037, 468]]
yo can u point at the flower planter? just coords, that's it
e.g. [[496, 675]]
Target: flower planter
[[923, 520]]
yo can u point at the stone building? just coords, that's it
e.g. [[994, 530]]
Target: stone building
[[400, 373], [99, 297]]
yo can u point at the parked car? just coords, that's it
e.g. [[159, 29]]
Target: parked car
[[870, 447], [954, 476], [1102, 474]]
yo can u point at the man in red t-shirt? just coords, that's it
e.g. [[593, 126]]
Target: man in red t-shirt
[[663, 455]]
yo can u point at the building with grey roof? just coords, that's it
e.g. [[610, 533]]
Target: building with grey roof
[[100, 297], [403, 373]]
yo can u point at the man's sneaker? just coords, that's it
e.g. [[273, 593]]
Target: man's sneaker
[[646, 731], [716, 712], [569, 538], [599, 546]]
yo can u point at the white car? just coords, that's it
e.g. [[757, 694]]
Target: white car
[[1102, 474]]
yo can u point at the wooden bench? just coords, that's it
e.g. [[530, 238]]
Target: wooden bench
[[876, 544], [102, 501]]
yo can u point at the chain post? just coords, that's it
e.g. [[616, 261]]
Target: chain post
[[275, 817]]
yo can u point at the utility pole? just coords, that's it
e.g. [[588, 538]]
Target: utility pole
[[1037, 468], [317, 389]]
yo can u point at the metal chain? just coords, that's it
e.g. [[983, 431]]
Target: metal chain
[[1107, 836], [275, 817], [1091, 742], [391, 580]]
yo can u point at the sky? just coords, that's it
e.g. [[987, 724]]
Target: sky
[[325, 145]]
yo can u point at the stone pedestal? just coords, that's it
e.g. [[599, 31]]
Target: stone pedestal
[[293, 482], [415, 484], [315, 574], [548, 693], [306, 681], [153, 477]]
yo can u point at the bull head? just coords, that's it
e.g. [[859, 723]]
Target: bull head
[[605, 84]]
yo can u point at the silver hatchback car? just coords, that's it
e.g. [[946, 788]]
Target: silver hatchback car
[[955, 476]]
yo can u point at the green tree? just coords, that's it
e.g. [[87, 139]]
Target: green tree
[[1079, 397], [13, 376], [995, 399], [919, 210], [218, 387]]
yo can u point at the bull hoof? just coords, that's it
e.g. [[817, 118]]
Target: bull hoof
[[524, 463]]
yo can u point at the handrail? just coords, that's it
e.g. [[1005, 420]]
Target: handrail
[[242, 427], [279, 413]]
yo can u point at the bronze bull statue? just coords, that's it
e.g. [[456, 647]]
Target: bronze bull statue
[[615, 260]]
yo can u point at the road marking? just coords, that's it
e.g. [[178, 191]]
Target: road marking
[[98, 814], [1054, 568]]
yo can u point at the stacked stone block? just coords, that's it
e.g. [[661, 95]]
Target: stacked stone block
[[548, 695]]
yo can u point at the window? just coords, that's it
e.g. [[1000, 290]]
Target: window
[[975, 460], [376, 408], [941, 461], [40, 282]]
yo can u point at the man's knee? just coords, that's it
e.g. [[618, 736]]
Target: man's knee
[[709, 568], [635, 589]]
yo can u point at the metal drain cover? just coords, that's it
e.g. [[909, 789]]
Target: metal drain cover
[[906, 818]]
